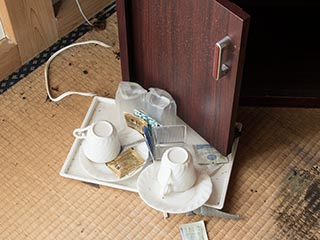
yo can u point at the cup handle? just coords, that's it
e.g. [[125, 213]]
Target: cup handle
[[80, 133], [166, 188]]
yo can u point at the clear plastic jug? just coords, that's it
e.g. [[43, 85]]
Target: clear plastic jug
[[160, 105], [129, 96]]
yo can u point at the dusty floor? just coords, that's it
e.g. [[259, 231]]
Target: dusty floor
[[275, 183]]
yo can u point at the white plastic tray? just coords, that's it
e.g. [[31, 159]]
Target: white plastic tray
[[105, 109]]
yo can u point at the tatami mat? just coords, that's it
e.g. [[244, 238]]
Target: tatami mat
[[275, 182]]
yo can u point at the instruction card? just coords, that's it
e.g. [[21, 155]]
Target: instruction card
[[193, 231]]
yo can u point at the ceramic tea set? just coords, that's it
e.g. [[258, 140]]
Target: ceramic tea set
[[171, 182]]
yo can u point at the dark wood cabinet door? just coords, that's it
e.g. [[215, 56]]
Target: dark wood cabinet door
[[172, 45]]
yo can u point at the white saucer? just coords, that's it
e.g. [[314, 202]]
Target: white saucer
[[101, 172], [182, 202]]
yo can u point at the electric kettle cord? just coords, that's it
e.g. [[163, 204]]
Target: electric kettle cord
[[82, 13], [46, 68]]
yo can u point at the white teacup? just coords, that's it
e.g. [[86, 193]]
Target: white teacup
[[101, 142], [177, 172]]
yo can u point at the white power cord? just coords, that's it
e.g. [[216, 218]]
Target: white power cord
[[50, 60], [82, 13]]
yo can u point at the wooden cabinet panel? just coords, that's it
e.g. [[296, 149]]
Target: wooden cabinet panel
[[170, 45]]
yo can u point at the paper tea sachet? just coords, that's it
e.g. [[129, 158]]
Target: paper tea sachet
[[193, 231], [135, 122], [206, 154], [125, 163], [138, 120]]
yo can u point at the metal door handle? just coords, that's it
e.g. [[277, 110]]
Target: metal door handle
[[220, 69]]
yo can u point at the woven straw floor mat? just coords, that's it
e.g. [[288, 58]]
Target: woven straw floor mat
[[274, 186]]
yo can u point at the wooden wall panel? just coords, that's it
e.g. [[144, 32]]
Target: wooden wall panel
[[2, 34], [9, 58], [5, 20], [30, 24], [31, 27]]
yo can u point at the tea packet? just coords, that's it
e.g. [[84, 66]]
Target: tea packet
[[193, 231], [125, 163], [135, 122], [206, 154]]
